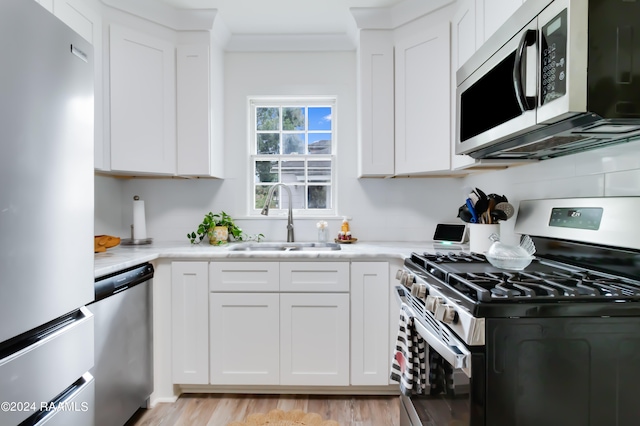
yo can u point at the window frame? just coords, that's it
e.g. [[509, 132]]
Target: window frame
[[255, 102]]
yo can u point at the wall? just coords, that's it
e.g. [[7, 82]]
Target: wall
[[381, 209], [108, 206]]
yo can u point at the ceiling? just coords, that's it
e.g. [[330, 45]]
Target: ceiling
[[252, 17]]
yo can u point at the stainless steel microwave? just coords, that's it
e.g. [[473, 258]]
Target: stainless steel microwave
[[560, 76]]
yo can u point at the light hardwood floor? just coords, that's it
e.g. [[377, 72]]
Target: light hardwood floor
[[221, 409]]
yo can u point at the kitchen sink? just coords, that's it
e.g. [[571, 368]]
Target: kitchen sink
[[285, 247]]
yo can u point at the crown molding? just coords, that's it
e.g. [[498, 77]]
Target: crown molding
[[390, 18], [175, 19], [383, 18]]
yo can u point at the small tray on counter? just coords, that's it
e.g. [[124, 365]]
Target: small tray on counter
[[351, 241]]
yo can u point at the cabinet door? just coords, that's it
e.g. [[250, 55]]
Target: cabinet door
[[465, 40], [394, 310], [244, 276], [143, 103], [244, 340], [80, 17], [193, 111], [375, 102], [370, 359], [190, 322], [314, 276], [314, 339], [423, 141], [493, 13]]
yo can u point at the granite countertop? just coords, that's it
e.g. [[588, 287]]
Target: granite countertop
[[122, 257]]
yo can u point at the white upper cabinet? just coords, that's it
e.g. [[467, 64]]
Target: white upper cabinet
[[165, 110], [422, 98], [199, 117], [465, 36], [428, 49], [81, 17], [143, 102], [193, 106], [375, 104], [465, 40], [493, 13]]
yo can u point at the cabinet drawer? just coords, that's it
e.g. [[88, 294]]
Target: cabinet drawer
[[243, 276], [314, 276]]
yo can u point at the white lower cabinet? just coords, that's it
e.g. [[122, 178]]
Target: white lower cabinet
[[244, 338], [370, 360], [314, 339], [322, 277], [280, 323], [190, 322]]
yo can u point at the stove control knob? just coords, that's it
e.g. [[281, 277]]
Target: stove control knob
[[403, 278], [410, 279], [445, 313], [399, 274], [432, 303]]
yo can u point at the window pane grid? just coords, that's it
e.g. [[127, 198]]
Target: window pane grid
[[293, 144]]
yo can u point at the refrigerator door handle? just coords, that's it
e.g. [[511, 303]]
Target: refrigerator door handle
[[73, 406], [31, 340]]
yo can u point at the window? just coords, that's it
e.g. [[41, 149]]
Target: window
[[293, 143]]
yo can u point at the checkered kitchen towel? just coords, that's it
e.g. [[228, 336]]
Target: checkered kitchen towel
[[408, 366]]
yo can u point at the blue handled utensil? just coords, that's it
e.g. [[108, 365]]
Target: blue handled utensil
[[474, 216]]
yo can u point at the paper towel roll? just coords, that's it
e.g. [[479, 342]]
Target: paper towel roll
[[139, 223]]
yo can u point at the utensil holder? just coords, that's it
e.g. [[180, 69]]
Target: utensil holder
[[479, 233]]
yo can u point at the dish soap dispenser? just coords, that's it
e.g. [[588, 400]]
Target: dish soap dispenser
[[345, 232]]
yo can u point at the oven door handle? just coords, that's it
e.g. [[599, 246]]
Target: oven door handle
[[454, 352]]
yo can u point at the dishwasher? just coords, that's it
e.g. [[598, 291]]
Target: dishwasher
[[123, 344]]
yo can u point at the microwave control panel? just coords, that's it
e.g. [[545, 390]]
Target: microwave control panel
[[553, 82]]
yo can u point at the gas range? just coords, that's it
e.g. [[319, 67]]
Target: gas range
[[485, 290], [560, 333]]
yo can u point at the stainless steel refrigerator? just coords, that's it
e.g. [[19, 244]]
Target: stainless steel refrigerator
[[46, 219]]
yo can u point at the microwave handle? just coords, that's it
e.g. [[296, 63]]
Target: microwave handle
[[526, 102]]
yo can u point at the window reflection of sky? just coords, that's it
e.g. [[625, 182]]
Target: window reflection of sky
[[319, 118]]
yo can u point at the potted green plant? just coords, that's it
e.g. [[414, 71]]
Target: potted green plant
[[218, 227]]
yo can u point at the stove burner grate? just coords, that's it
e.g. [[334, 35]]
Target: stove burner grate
[[540, 285], [453, 257]]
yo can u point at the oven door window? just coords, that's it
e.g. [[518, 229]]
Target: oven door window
[[447, 403]]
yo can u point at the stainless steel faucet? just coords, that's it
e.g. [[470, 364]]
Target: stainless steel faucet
[[265, 209]]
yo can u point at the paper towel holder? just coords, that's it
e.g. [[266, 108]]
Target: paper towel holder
[[133, 241]]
